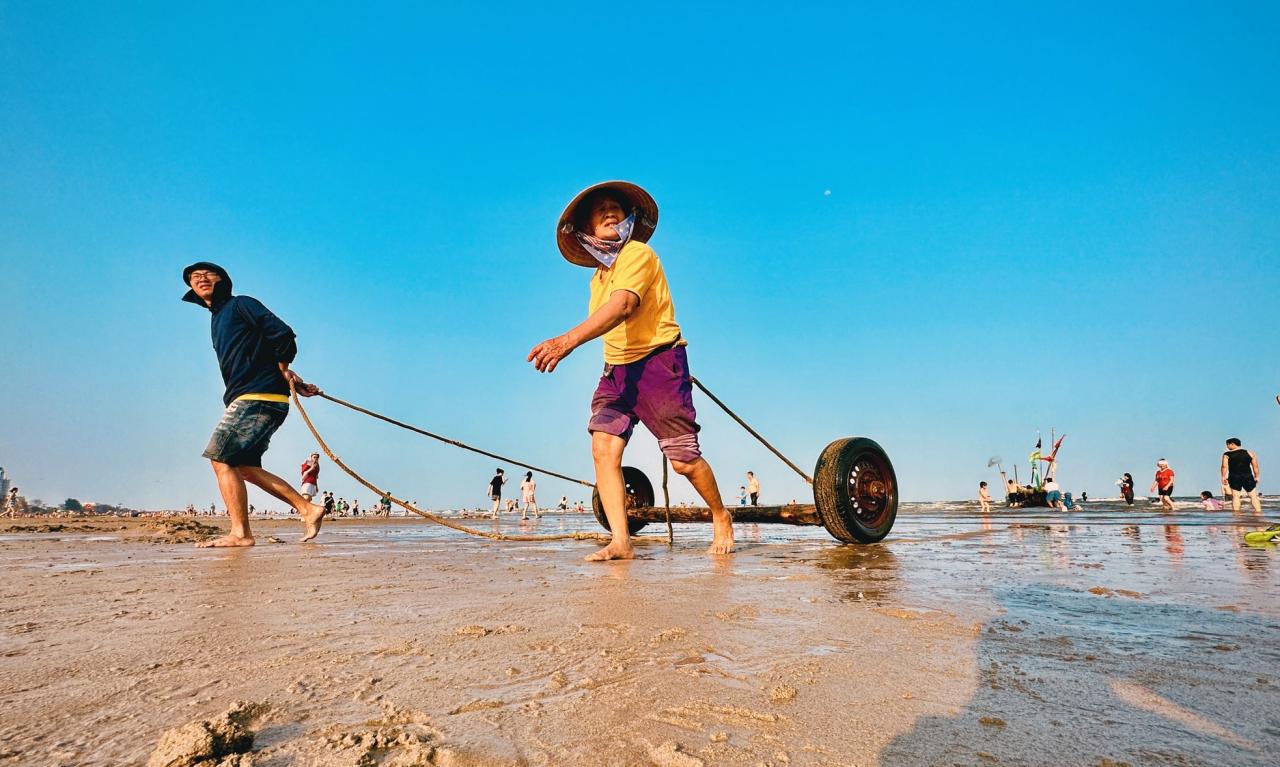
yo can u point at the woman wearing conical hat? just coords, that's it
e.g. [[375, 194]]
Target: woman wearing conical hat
[[646, 372]]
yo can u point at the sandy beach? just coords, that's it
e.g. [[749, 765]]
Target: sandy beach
[[1027, 638]]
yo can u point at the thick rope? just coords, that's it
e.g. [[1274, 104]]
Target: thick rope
[[750, 430], [414, 509], [453, 442], [500, 536]]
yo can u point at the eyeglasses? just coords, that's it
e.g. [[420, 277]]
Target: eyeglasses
[[202, 275]]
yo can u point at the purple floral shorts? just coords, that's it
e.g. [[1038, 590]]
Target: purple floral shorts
[[655, 391]]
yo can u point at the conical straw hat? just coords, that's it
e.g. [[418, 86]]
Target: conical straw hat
[[638, 202]]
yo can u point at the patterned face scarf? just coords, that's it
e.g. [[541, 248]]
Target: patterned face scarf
[[606, 251]]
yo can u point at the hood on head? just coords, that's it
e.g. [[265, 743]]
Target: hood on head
[[221, 291]]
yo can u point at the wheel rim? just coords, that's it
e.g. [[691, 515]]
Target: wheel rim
[[869, 488], [639, 492], [636, 497]]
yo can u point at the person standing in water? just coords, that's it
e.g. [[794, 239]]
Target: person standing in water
[[1241, 473], [984, 497], [255, 349], [311, 476], [1163, 484], [495, 491], [528, 496], [753, 488], [1126, 488], [646, 374]]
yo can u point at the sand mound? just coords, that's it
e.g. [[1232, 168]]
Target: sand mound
[[58, 527], [402, 737], [181, 531], [204, 741]]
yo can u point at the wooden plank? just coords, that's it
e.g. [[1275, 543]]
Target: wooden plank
[[798, 514]]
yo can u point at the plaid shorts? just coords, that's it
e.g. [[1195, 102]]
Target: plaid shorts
[[244, 432]]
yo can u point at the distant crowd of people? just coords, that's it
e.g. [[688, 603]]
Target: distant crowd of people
[[748, 493], [1239, 470]]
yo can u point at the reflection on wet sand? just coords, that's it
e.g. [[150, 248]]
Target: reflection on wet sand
[[863, 573]]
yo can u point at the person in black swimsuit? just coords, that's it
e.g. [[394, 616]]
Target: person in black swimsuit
[[1240, 472]]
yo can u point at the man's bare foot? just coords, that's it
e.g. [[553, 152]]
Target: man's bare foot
[[226, 542], [312, 518], [612, 551], [722, 534]]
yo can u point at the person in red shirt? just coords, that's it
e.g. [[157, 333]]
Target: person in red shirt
[[311, 477], [1163, 484]]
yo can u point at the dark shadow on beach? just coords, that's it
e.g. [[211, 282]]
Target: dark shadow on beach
[[1103, 678]]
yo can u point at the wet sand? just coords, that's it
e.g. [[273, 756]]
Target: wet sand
[[1110, 637]]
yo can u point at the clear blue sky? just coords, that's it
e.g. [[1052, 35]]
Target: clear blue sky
[[1037, 218]]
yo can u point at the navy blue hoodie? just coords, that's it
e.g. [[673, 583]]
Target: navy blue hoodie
[[249, 341]]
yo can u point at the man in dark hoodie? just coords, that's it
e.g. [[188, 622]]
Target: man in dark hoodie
[[254, 349]]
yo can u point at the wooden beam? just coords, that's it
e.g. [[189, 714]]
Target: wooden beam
[[798, 514]]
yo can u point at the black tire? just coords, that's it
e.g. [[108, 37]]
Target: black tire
[[639, 494], [856, 490]]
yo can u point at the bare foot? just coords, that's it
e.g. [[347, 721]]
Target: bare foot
[[226, 542], [612, 551], [312, 518], [722, 534]]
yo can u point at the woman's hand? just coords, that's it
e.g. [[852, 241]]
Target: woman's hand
[[546, 355], [621, 305]]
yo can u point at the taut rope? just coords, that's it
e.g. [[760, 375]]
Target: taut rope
[[425, 514], [582, 536], [445, 440], [750, 430]]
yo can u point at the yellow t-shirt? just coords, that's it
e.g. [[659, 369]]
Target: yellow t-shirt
[[654, 322]]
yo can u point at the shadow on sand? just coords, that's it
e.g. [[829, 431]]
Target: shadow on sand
[[1077, 678]]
